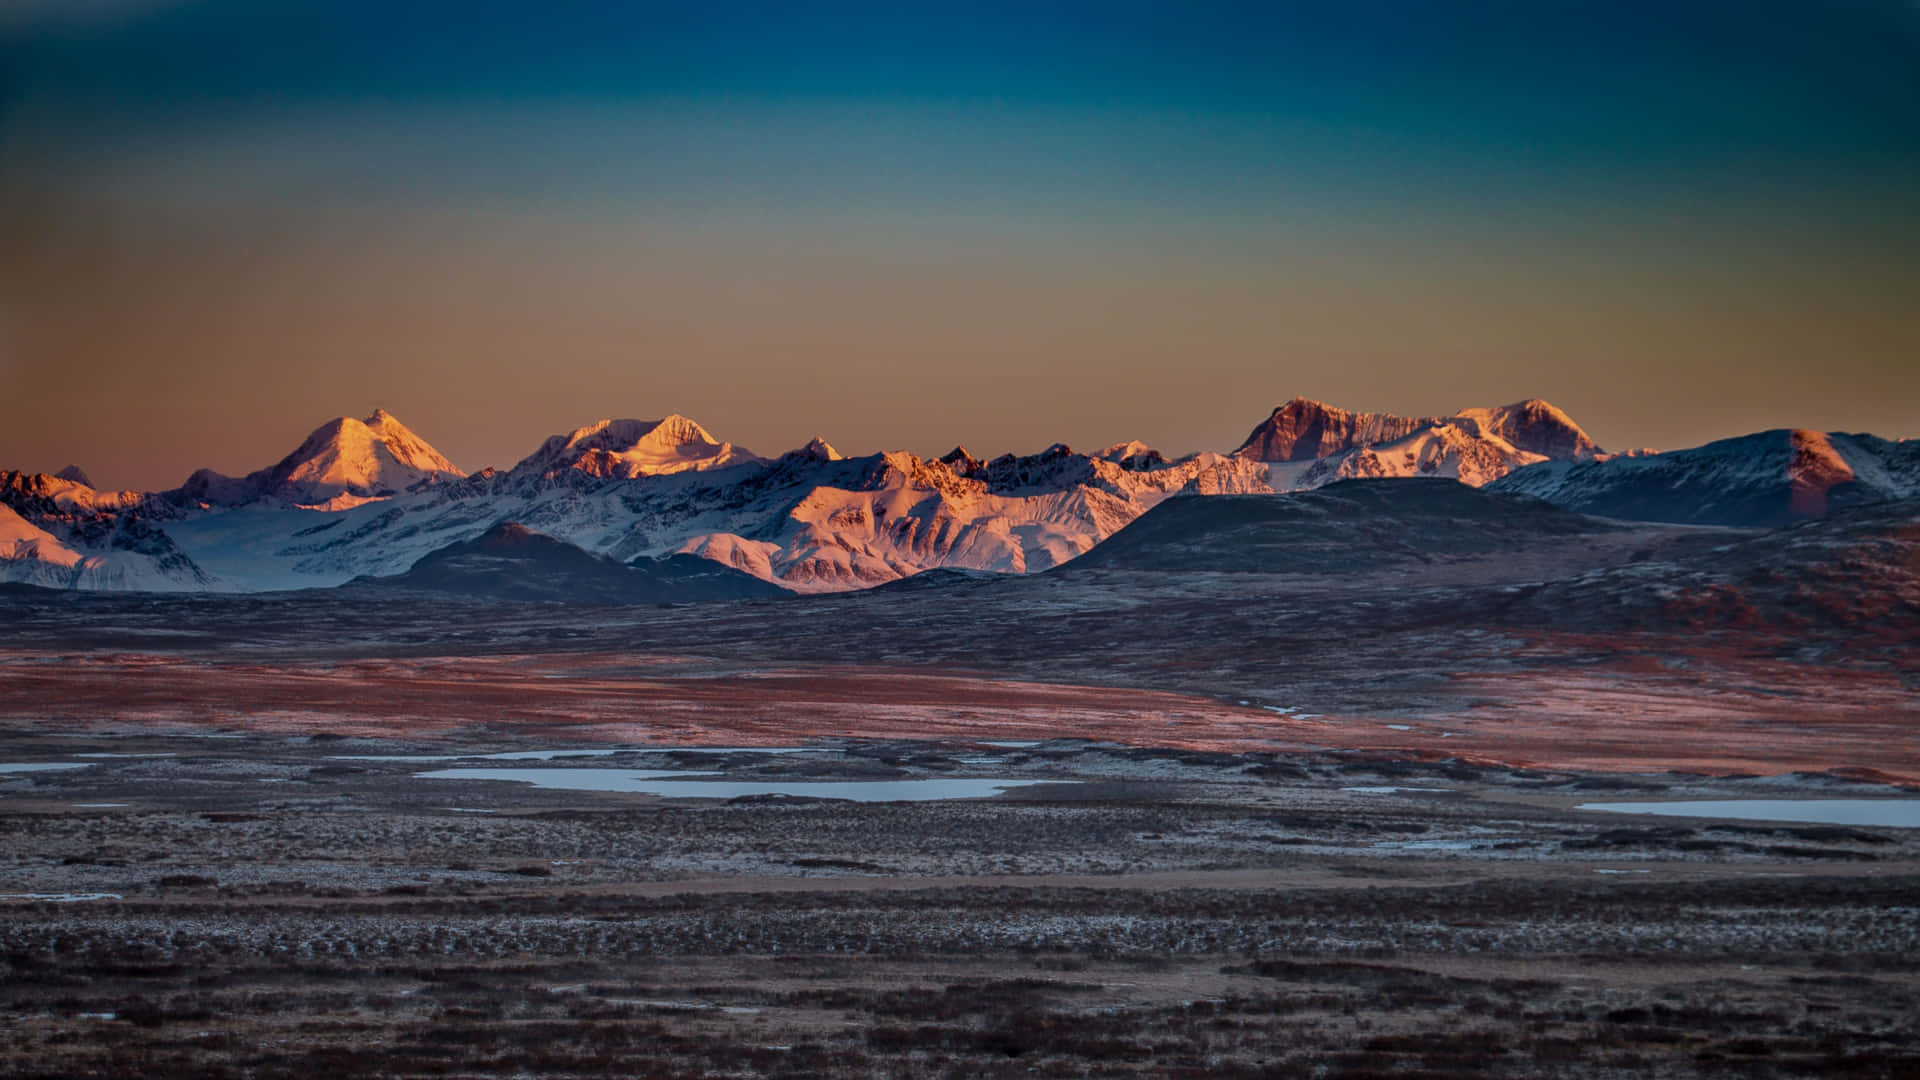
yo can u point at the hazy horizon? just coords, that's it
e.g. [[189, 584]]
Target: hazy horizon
[[224, 222], [292, 439]]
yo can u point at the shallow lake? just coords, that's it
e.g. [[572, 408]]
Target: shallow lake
[[551, 755], [1899, 813], [674, 784]]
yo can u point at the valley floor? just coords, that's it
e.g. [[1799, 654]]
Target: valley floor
[[1264, 826]]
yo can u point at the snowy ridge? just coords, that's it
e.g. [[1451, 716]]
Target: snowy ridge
[[1475, 446], [1767, 478], [1462, 450], [1304, 430], [632, 448], [61, 533], [369, 498]]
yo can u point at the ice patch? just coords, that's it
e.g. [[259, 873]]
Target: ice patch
[[674, 784], [1897, 813], [1391, 790], [554, 755]]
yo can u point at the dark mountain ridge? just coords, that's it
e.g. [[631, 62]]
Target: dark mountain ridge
[[513, 562]]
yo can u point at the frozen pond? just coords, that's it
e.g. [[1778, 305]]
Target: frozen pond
[[1391, 790], [551, 755], [674, 784], [1899, 813]]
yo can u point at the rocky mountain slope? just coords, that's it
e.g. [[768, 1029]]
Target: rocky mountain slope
[[1474, 446], [62, 533], [1768, 478]]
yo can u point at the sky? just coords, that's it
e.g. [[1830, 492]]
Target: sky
[[911, 226]]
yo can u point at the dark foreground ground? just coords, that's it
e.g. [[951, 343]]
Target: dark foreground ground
[[274, 906]]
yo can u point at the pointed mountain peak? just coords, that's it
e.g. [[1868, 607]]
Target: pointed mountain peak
[[74, 474], [961, 462], [366, 459], [631, 448], [680, 430], [820, 448], [1304, 429], [1538, 427], [1133, 454], [670, 430]]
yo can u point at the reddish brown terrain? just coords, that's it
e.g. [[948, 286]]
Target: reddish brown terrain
[[1683, 707]]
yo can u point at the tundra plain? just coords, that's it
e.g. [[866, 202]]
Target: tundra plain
[[1271, 824]]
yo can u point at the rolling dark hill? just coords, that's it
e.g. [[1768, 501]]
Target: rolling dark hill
[[1352, 526], [512, 562], [1857, 570]]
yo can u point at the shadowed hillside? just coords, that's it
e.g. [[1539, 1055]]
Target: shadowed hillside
[[1351, 526], [512, 562]]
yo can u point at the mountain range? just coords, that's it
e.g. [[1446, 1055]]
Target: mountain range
[[369, 499]]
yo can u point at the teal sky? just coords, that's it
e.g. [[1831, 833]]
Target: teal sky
[[918, 225]]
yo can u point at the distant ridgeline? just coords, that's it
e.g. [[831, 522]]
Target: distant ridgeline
[[661, 511]]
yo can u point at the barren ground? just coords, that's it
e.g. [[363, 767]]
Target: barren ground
[[1195, 889]]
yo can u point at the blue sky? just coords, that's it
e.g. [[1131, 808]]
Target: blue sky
[[1762, 94], [1475, 187]]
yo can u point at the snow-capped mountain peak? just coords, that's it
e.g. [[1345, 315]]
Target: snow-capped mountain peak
[[357, 459], [1462, 448], [1304, 429], [821, 450], [632, 448], [1536, 427], [814, 520], [1766, 478], [1134, 455], [1310, 443]]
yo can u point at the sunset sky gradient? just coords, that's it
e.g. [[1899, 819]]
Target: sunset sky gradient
[[910, 225]]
